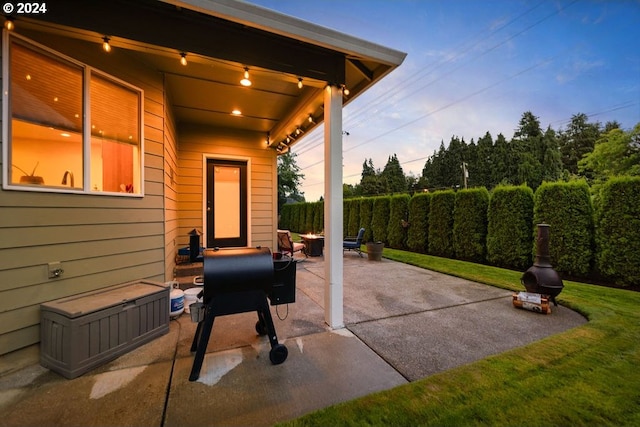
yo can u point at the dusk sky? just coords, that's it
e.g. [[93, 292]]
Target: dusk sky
[[474, 67]]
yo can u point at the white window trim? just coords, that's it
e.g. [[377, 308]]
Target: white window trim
[[86, 99]]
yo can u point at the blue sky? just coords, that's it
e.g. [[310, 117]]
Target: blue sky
[[474, 67]]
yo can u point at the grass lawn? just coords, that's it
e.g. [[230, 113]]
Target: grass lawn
[[588, 375]]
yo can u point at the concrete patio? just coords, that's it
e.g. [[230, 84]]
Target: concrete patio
[[403, 323]]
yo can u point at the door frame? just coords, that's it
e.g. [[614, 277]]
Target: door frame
[[205, 158]]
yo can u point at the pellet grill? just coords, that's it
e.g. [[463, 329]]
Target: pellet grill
[[240, 280]]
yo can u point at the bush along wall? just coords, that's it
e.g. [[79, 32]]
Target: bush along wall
[[308, 218], [380, 219], [509, 227], [346, 209], [567, 208], [318, 217], [470, 224], [418, 222], [398, 216], [441, 223], [618, 230], [366, 213], [354, 218]]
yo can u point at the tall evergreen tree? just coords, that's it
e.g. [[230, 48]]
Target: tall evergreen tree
[[577, 140], [394, 176]]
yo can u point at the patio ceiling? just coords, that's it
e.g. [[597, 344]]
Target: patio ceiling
[[219, 39]]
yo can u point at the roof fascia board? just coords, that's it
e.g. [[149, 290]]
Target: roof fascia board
[[288, 26]]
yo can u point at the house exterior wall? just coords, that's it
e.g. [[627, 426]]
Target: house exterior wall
[[170, 190], [100, 240], [195, 142]]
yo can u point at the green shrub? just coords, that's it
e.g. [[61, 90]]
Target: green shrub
[[418, 230], [366, 213], [470, 224], [440, 238], [398, 215], [302, 217], [308, 219], [380, 219], [354, 218], [318, 217], [618, 230], [509, 227], [566, 207], [284, 219], [346, 208]]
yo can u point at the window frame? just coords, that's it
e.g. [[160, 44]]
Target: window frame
[[87, 71]]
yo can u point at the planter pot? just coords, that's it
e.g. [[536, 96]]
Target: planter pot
[[374, 251]]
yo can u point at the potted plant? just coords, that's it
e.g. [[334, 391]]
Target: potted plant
[[374, 251]]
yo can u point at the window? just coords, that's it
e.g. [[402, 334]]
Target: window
[[68, 127]]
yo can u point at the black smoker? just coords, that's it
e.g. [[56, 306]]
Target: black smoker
[[541, 278], [239, 281]]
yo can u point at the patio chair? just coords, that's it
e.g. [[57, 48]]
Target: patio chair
[[354, 243], [288, 246]]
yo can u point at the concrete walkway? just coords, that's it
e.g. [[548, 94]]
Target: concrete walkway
[[403, 323]]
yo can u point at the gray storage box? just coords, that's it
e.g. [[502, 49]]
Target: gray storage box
[[84, 331]]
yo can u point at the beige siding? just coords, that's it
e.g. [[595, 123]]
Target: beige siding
[[170, 190], [194, 141], [100, 241]]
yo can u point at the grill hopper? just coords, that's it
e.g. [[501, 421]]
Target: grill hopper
[[238, 281], [541, 278]]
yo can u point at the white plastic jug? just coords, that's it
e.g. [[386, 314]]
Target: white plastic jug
[[177, 299]]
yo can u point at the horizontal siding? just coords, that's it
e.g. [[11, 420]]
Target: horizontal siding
[[171, 195], [101, 241], [193, 141]]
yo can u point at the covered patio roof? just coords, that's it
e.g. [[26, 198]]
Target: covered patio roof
[[219, 40]]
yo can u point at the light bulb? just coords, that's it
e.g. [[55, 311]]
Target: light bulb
[[8, 24], [245, 81], [105, 45], [183, 59], [299, 83]]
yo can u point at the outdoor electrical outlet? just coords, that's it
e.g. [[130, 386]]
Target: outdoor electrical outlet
[[55, 270]]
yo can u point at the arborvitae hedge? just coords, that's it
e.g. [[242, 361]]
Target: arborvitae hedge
[[308, 219], [380, 219], [398, 216], [618, 230], [366, 213], [470, 224], [418, 222], [318, 217], [566, 207], [509, 228], [441, 223], [302, 217], [346, 208], [354, 218], [283, 217]]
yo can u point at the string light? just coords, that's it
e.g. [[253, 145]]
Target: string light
[[345, 91], [183, 58], [299, 82], [105, 44], [245, 81], [8, 24]]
